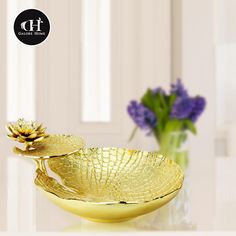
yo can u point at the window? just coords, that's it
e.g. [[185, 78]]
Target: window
[[96, 61]]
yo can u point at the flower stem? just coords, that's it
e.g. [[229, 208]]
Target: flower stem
[[133, 134]]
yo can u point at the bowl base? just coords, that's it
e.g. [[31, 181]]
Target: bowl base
[[107, 221]]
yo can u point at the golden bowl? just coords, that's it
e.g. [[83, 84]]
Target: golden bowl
[[109, 184]]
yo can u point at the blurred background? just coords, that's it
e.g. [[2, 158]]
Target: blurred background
[[99, 55]]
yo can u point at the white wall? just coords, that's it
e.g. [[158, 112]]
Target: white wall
[[2, 114], [225, 74], [225, 19], [3, 66], [198, 75], [140, 58]]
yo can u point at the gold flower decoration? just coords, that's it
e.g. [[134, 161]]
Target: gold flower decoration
[[27, 132]]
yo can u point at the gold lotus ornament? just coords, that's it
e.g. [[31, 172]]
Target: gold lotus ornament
[[27, 132]]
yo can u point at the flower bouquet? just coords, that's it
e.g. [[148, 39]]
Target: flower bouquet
[[168, 117]]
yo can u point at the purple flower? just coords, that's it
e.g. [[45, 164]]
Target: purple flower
[[178, 89], [199, 104], [158, 90], [142, 116], [182, 108]]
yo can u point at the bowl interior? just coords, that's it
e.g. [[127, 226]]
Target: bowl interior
[[111, 175]]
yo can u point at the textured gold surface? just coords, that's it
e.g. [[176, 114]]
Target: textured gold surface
[[27, 132], [110, 184], [53, 145]]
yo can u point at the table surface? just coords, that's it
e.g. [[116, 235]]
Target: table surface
[[28, 210]]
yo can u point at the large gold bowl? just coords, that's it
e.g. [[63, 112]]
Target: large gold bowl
[[100, 184], [109, 184]]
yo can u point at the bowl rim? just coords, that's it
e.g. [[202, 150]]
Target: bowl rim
[[83, 148], [119, 202]]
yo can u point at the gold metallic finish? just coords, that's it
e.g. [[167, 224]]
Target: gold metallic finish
[[100, 184], [27, 132], [109, 184], [53, 146]]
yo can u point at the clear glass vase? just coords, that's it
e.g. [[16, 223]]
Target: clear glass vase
[[174, 146], [176, 214]]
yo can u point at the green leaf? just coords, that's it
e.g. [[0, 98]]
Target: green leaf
[[157, 109], [172, 99], [147, 99], [162, 101], [190, 125], [133, 133], [164, 106]]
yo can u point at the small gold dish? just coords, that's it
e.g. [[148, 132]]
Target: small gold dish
[[54, 145], [108, 184]]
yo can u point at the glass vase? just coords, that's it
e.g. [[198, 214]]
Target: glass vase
[[176, 214], [174, 146]]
